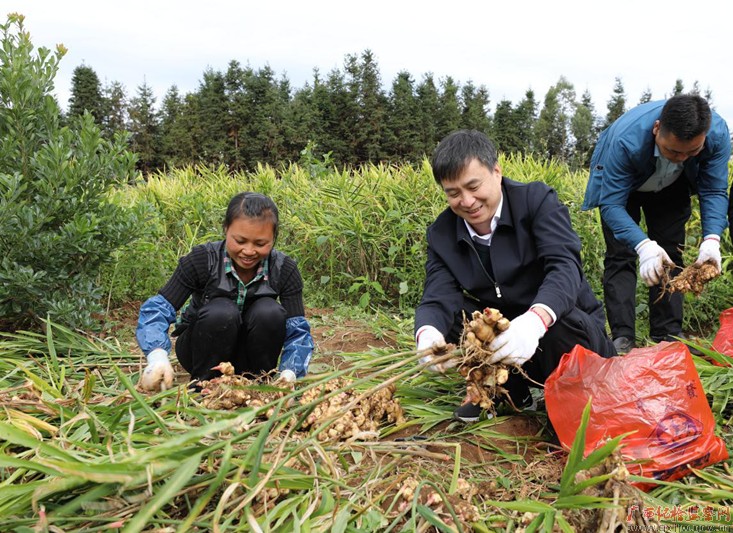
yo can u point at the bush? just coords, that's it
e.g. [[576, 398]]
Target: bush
[[57, 223]]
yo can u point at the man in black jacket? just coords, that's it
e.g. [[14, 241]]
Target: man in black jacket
[[509, 246]]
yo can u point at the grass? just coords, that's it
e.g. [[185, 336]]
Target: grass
[[83, 450]]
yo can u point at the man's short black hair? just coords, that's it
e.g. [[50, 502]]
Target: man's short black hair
[[686, 116], [456, 151]]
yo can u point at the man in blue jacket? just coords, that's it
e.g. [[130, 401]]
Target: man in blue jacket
[[509, 246], [651, 160]]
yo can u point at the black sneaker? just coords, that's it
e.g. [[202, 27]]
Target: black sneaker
[[468, 413], [528, 404], [624, 344]]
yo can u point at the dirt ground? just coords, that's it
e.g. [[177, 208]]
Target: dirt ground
[[332, 335]]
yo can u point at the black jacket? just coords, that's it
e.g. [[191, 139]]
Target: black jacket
[[535, 255], [200, 275]]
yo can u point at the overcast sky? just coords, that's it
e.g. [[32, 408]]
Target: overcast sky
[[508, 46]]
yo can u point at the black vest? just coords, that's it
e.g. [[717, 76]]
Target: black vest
[[219, 285]]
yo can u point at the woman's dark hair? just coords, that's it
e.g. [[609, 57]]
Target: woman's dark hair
[[252, 205]]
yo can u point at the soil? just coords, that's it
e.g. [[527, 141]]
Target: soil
[[332, 335]]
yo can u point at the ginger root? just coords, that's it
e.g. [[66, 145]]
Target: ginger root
[[483, 380]]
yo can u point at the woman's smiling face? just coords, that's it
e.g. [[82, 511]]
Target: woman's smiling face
[[249, 241]]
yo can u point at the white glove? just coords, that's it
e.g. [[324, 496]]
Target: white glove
[[158, 375], [710, 250], [427, 337], [518, 343], [287, 375], [652, 259]]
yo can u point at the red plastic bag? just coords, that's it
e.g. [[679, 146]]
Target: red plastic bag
[[654, 392], [723, 342]]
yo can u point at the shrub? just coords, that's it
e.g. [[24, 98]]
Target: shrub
[[57, 223]]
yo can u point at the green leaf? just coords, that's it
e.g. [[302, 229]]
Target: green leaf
[[428, 514], [576, 451], [341, 521], [175, 483], [16, 436], [548, 522], [258, 447], [524, 506], [564, 524]]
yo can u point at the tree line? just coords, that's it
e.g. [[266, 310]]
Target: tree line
[[244, 116]]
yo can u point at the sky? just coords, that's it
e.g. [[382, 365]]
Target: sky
[[508, 46]]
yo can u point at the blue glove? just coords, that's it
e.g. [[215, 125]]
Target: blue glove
[[298, 348]]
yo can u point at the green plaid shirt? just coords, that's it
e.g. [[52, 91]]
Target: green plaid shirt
[[262, 272]]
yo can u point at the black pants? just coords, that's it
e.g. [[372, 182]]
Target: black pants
[[666, 212], [577, 327], [252, 343]]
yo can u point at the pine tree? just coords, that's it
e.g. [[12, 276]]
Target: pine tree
[[211, 120], [257, 105], [86, 94], [175, 138], [370, 102], [584, 131], [402, 136], [525, 120], [309, 111], [334, 110], [678, 88], [300, 123], [114, 115], [449, 109], [263, 132], [504, 131], [553, 126], [617, 104], [239, 113], [428, 102], [646, 96], [708, 95], [475, 105], [143, 127]]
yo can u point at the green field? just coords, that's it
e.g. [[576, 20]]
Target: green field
[[83, 450]]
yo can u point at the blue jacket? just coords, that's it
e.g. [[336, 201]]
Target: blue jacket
[[535, 256], [624, 159]]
